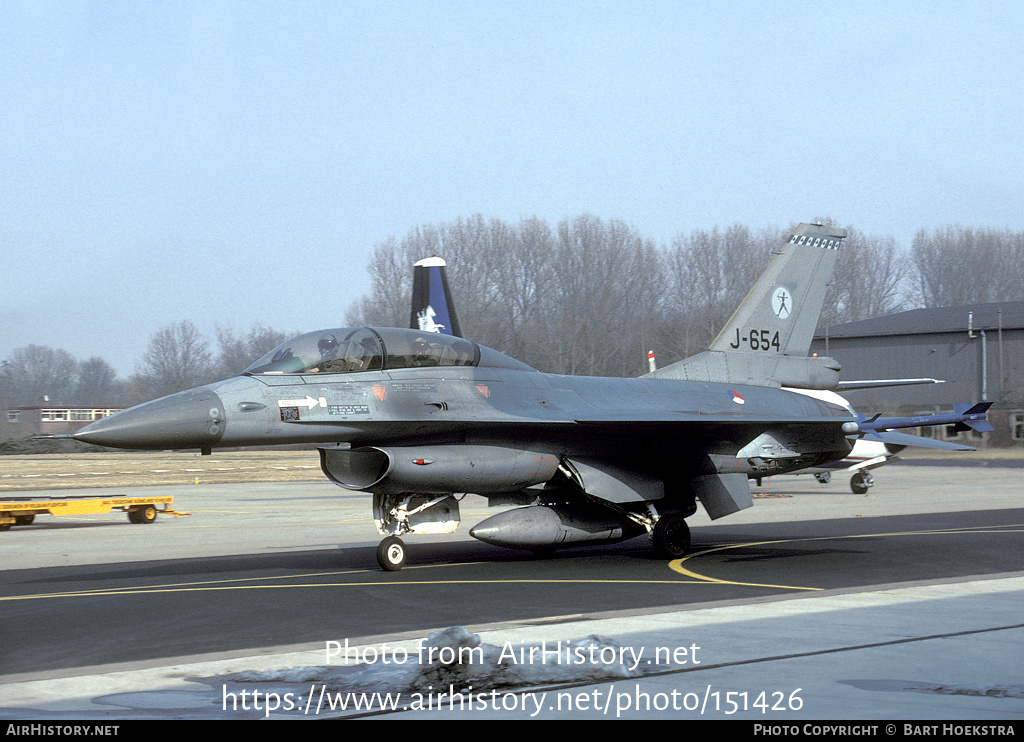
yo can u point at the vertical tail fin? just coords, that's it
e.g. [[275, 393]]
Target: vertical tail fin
[[767, 340], [781, 312], [433, 309]]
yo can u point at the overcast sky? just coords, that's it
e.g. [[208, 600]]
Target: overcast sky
[[233, 163]]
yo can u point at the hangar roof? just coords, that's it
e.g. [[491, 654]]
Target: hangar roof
[[941, 319]]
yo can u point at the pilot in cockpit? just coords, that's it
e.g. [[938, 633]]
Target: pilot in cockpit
[[421, 353], [328, 347]]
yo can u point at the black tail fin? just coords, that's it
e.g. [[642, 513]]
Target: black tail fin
[[433, 309]]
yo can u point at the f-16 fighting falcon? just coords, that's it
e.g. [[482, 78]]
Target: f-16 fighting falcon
[[430, 289], [416, 417]]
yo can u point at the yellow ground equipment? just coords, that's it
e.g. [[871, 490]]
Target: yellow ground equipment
[[21, 511]]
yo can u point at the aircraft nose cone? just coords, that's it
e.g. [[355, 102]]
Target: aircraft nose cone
[[191, 419]]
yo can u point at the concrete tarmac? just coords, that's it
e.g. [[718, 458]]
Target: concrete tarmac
[[944, 649]]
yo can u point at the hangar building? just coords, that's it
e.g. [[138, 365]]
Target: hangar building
[[978, 350], [55, 419]]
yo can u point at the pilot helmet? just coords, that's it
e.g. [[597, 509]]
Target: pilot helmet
[[328, 346]]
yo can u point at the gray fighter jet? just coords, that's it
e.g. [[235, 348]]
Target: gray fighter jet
[[416, 417]]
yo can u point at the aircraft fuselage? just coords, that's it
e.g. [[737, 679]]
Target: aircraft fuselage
[[641, 418]]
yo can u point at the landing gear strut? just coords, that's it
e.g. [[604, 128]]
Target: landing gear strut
[[398, 515]]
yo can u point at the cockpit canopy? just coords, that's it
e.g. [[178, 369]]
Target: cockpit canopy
[[349, 350]]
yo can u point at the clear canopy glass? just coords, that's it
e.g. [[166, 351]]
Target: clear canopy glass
[[349, 350]]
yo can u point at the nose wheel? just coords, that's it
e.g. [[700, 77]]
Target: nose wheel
[[391, 554]]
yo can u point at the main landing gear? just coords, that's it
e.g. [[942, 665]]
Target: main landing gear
[[861, 482], [671, 536], [536, 528]]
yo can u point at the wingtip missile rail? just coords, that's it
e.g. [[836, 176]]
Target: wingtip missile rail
[[965, 416]]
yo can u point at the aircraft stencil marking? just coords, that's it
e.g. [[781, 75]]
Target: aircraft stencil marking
[[348, 409], [413, 387], [309, 402], [815, 242], [757, 340]]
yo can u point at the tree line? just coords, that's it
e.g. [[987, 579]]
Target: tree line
[[585, 296], [177, 357], [589, 296]]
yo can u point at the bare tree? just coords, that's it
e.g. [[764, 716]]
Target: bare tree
[[177, 358], [869, 279], [469, 246], [524, 279], [97, 384], [38, 372], [387, 305], [236, 351], [580, 298], [709, 273], [958, 265], [604, 298]]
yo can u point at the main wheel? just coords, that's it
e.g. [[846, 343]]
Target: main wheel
[[860, 483], [391, 554], [671, 537]]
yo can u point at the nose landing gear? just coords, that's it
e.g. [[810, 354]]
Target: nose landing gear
[[391, 554]]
